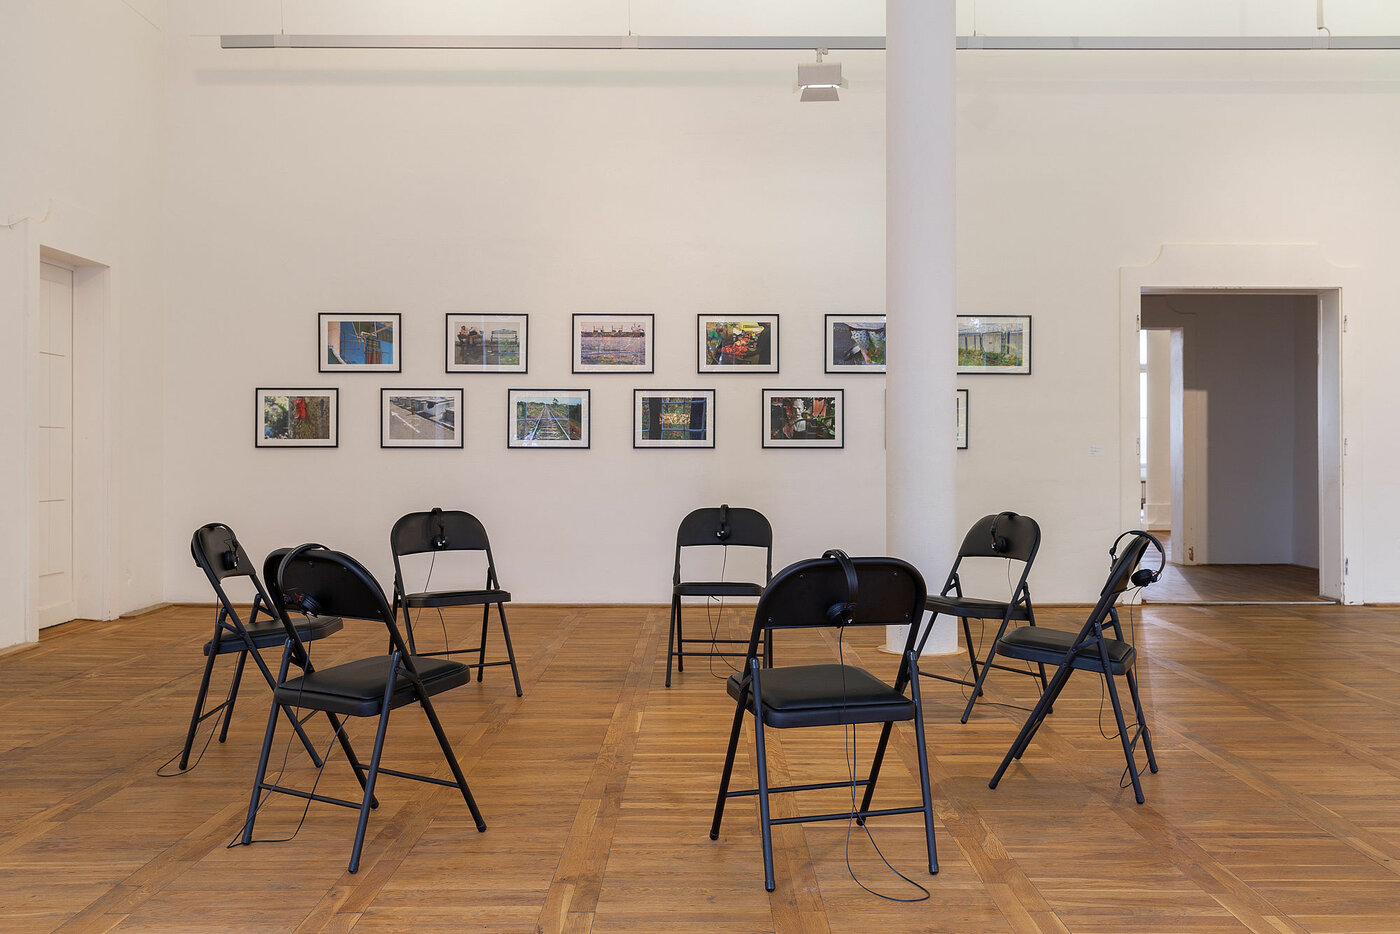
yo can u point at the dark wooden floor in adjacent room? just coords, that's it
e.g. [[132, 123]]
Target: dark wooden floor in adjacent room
[[1277, 808]]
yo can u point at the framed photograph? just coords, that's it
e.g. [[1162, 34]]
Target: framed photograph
[[420, 418], [548, 418], [614, 343], [855, 344], [804, 418], [962, 419], [488, 343], [358, 343], [297, 418], [673, 418], [737, 343], [994, 344]]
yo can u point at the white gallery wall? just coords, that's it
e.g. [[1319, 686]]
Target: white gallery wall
[[679, 183], [82, 144]]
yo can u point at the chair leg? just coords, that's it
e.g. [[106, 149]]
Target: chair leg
[[671, 640], [510, 649], [875, 763], [1142, 722], [1040, 666], [371, 778], [291, 717], [728, 769], [921, 744], [986, 668], [1033, 721], [452, 761], [1046, 711], [971, 654], [261, 774], [768, 649], [764, 820], [481, 654], [408, 630], [198, 711], [1123, 736], [680, 638], [232, 695], [350, 756]]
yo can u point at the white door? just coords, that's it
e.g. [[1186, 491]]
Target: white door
[[55, 507]]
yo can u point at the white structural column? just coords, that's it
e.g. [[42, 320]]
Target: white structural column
[[920, 239]]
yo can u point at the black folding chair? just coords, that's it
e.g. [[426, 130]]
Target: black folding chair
[[830, 592], [717, 527], [218, 554], [445, 531], [1090, 650], [1004, 535], [321, 582]]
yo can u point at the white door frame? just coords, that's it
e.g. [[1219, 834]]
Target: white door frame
[[68, 236], [1254, 268]]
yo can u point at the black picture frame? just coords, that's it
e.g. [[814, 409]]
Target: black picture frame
[[974, 324], [585, 440], [711, 419], [769, 338], [801, 420], [423, 417], [846, 346], [261, 395], [624, 326], [327, 349], [460, 320]]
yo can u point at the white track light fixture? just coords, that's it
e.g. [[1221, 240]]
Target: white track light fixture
[[820, 81]]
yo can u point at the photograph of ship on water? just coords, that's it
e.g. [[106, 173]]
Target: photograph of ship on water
[[613, 343]]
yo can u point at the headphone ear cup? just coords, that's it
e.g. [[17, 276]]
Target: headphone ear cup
[[1143, 576]]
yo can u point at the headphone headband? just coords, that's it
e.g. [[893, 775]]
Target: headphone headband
[[724, 531], [1143, 576], [440, 539], [842, 614], [1000, 542]]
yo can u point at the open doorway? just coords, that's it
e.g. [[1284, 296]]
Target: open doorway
[[1239, 393]]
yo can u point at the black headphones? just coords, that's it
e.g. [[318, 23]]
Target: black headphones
[[229, 556], [1142, 576], [999, 542], [440, 539], [843, 613], [296, 599], [724, 531]]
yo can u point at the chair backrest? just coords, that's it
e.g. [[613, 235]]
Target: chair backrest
[[1020, 533], [438, 530], [316, 581], [1121, 573], [725, 525], [811, 594], [218, 554]]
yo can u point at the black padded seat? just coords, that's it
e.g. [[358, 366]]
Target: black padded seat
[[801, 695], [717, 589], [975, 607], [1048, 646], [357, 688], [437, 598], [271, 635]]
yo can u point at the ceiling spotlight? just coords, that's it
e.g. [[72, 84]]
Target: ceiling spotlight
[[819, 81]]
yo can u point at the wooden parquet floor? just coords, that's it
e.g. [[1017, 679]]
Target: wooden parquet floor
[[1277, 808]]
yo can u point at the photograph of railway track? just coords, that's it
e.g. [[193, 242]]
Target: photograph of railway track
[[420, 418], [803, 418], [613, 343], [549, 418], [673, 418], [494, 343], [297, 418]]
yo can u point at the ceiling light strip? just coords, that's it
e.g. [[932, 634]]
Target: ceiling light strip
[[744, 43]]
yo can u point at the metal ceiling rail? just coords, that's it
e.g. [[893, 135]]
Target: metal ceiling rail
[[746, 43]]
